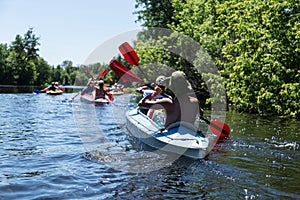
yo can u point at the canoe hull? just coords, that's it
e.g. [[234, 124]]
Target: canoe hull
[[181, 139], [57, 92], [89, 99]]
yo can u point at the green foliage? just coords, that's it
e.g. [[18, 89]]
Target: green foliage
[[165, 54], [256, 45], [43, 70], [4, 53], [154, 13], [20, 64]]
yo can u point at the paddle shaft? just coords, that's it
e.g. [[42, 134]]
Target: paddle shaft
[[75, 96]]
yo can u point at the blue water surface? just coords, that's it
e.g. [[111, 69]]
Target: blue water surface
[[57, 149]]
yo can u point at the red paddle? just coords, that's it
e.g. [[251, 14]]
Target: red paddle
[[101, 74], [131, 56], [123, 72], [219, 128]]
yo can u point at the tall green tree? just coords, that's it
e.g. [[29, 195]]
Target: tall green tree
[[154, 13], [4, 53], [24, 57], [43, 70], [20, 64]]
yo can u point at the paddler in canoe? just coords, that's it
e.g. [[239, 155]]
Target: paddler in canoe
[[54, 89], [182, 107], [90, 86], [96, 94], [117, 89], [51, 89], [101, 92], [153, 94]]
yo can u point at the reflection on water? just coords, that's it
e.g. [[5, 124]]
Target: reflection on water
[[47, 153]]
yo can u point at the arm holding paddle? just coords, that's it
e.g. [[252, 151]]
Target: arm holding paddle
[[218, 128]]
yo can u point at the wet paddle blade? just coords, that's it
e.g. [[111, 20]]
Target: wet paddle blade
[[37, 91], [123, 72], [129, 54], [219, 128]]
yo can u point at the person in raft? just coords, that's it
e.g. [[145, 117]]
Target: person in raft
[[158, 87], [52, 87], [155, 93], [182, 107]]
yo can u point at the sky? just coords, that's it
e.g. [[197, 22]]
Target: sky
[[68, 29]]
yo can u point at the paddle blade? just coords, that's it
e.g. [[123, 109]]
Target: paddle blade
[[219, 128], [102, 73], [110, 96], [129, 54], [40, 91], [123, 72]]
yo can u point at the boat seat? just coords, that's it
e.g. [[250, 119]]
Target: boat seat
[[184, 124]]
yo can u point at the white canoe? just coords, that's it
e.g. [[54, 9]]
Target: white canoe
[[179, 138]]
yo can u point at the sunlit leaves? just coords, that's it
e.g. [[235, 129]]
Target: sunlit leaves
[[256, 46]]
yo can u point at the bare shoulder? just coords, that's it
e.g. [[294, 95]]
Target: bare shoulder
[[193, 99]]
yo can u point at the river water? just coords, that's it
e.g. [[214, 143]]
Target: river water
[[56, 149]]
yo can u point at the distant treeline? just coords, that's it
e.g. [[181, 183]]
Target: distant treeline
[[255, 45], [20, 64]]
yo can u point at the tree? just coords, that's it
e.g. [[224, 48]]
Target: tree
[[256, 45], [24, 58], [154, 13], [43, 70], [20, 64], [3, 63]]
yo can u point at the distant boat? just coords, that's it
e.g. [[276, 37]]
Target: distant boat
[[56, 92]]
